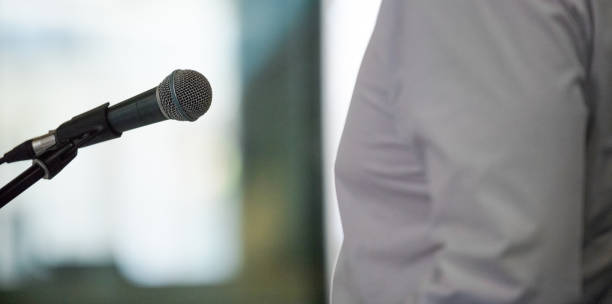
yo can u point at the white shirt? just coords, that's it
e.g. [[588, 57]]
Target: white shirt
[[461, 169]]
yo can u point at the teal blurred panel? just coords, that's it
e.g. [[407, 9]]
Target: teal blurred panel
[[266, 25], [281, 139]]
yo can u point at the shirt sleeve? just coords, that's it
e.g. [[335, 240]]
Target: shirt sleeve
[[496, 91]]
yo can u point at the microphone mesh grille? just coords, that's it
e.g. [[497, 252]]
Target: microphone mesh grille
[[193, 93]]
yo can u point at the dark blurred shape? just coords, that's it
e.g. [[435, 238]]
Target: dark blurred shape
[[282, 148]]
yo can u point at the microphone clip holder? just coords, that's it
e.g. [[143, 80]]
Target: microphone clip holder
[[93, 121]]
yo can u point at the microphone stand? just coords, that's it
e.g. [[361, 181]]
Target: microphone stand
[[47, 165]]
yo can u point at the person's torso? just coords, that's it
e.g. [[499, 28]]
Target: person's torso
[[381, 181]]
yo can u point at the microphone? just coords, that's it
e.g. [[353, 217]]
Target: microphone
[[184, 95]]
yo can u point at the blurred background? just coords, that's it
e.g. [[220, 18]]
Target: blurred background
[[238, 207]]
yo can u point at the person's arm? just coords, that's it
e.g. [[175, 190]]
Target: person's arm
[[496, 90]]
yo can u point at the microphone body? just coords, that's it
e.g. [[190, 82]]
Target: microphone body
[[138, 111], [183, 95]]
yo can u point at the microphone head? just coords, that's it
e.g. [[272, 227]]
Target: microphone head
[[184, 95]]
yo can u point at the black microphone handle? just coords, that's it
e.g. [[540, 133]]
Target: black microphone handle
[[138, 111]]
